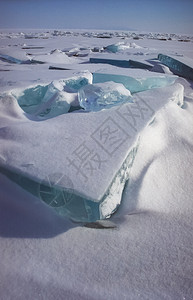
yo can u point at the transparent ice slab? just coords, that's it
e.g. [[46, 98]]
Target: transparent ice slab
[[135, 85], [94, 97], [180, 65], [50, 100], [66, 202]]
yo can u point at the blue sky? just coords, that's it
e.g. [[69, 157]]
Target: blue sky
[[143, 15]]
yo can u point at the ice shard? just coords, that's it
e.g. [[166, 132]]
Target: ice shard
[[50, 100], [31, 98], [94, 97], [114, 48], [180, 65], [121, 46], [53, 103], [135, 85]]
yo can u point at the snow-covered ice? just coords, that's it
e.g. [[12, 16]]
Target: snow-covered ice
[[92, 153], [65, 165]]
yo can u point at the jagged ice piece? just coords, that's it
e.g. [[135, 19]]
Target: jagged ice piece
[[180, 65], [135, 85], [94, 97]]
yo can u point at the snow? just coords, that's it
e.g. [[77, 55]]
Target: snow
[[144, 250]]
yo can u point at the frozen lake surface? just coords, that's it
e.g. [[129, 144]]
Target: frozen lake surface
[[96, 132]]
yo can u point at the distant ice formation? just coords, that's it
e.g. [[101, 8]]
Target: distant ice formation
[[102, 35], [121, 46], [13, 60]]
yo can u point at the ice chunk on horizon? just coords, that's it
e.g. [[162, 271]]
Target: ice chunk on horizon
[[121, 46], [94, 97]]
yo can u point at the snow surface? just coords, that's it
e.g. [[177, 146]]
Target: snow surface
[[145, 250]]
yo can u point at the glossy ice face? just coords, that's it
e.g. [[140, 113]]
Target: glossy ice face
[[180, 65], [94, 97], [135, 85], [50, 100]]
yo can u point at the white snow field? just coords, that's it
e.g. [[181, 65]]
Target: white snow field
[[96, 165]]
